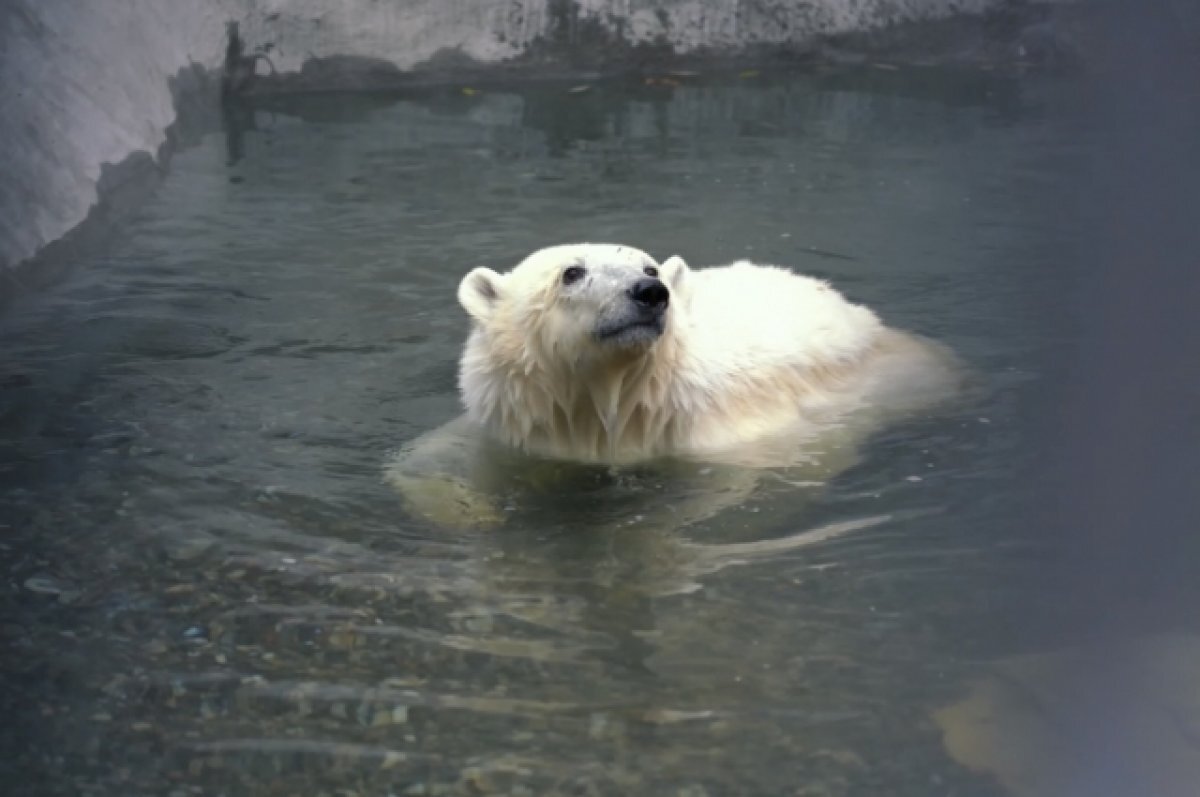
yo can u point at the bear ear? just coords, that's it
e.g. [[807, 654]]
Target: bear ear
[[479, 292], [674, 271]]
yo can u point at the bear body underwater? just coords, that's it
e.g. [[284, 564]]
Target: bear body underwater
[[596, 353]]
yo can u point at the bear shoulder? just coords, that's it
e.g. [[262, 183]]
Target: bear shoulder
[[752, 315]]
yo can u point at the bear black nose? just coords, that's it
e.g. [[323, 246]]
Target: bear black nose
[[650, 293]]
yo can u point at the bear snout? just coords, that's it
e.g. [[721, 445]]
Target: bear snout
[[650, 293]]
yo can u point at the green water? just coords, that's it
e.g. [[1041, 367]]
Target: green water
[[212, 590]]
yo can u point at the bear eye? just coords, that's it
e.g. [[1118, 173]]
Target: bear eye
[[650, 271], [573, 274]]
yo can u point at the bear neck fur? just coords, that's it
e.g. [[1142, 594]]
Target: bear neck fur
[[602, 409], [634, 405]]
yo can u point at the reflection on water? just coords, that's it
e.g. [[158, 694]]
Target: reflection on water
[[212, 587]]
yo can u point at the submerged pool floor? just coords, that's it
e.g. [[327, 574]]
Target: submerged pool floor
[[212, 590]]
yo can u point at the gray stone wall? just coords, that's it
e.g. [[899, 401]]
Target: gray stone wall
[[83, 85], [411, 34]]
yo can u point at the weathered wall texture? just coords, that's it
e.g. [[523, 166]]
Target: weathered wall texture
[[84, 84], [81, 85], [409, 34]]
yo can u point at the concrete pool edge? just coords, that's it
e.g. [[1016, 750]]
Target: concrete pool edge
[[120, 189]]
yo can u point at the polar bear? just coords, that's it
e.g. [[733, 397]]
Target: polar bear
[[598, 354]]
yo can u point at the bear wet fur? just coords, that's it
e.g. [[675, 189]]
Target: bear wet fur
[[596, 353]]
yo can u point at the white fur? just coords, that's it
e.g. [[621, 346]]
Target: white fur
[[747, 352], [748, 366]]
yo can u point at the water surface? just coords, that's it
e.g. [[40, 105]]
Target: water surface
[[212, 588]]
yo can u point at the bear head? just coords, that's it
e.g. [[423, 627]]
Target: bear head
[[577, 303]]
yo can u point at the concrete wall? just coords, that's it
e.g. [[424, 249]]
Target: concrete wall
[[409, 34], [81, 85], [85, 84]]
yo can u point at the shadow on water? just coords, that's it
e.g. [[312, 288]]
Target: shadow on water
[[212, 587]]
